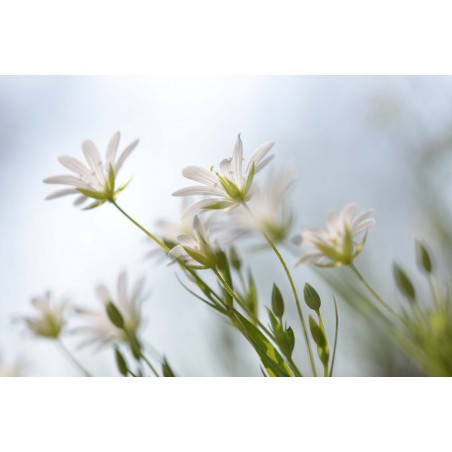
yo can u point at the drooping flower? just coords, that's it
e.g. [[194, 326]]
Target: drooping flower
[[50, 317], [269, 212], [97, 326], [97, 180], [230, 186], [337, 245], [195, 250]]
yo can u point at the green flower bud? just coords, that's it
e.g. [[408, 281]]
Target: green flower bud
[[121, 363], [311, 297], [235, 259], [403, 282], [277, 302], [423, 258]]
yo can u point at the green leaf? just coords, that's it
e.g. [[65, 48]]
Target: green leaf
[[403, 282], [114, 315], [135, 346], [121, 363], [271, 359], [234, 259], [277, 302], [93, 194], [311, 297], [317, 333], [423, 258], [166, 369]]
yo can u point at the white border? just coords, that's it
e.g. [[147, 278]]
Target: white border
[[208, 414]]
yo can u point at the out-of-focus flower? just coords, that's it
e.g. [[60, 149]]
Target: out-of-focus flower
[[8, 369], [337, 245], [230, 186], [98, 179], [50, 317], [271, 213], [97, 326], [195, 250]]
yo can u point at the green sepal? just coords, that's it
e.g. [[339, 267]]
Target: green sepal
[[423, 258], [404, 283], [249, 179], [219, 205], [94, 194], [166, 369], [121, 363], [234, 259], [114, 315]]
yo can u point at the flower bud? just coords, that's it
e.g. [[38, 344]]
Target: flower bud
[[277, 302], [311, 297], [423, 258], [114, 315], [403, 282]]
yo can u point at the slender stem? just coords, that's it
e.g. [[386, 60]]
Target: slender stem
[[131, 373], [146, 360], [335, 337], [294, 291], [241, 303], [372, 291], [152, 236], [72, 358]]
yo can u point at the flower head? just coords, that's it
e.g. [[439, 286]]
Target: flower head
[[98, 179], [231, 185], [337, 245], [98, 327], [195, 250], [49, 319], [271, 214]]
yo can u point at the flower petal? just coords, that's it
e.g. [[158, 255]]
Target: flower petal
[[64, 192], [259, 154], [199, 174], [125, 154], [111, 151]]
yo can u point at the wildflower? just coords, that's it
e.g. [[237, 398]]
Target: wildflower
[[195, 250], [337, 245], [271, 214], [49, 320], [98, 327], [230, 186], [98, 179]]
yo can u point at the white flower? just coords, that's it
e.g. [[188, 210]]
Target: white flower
[[97, 326], [98, 179], [337, 245], [9, 369], [49, 320], [230, 186], [271, 214], [195, 250]]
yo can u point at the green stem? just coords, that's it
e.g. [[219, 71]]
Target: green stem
[[72, 358], [241, 303], [152, 236], [372, 291], [294, 291], [146, 360]]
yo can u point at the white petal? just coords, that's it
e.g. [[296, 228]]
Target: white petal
[[259, 154], [74, 165], [199, 190], [80, 200], [187, 240], [64, 192], [363, 226], [263, 163], [177, 251], [226, 169], [127, 151], [103, 293], [111, 151], [347, 213], [66, 180], [94, 159], [195, 208], [199, 174], [237, 159]]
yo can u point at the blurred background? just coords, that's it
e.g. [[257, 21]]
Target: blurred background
[[383, 142]]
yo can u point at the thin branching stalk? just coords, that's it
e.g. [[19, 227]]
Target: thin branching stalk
[[294, 291], [72, 358]]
